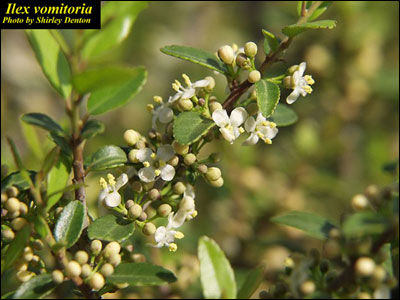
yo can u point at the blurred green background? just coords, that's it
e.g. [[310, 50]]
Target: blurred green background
[[348, 127]]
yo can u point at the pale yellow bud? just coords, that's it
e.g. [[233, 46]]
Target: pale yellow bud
[[122, 285], [288, 82], [214, 105], [96, 246], [217, 183], [250, 49], [174, 161], [73, 269], [180, 149], [179, 188], [86, 270], [4, 198], [138, 257], [213, 173], [137, 187], [135, 211], [24, 276], [189, 159], [254, 76], [38, 245], [142, 217], [202, 168], [115, 259], [131, 137], [164, 210], [12, 205], [242, 61], [307, 287], [226, 54], [185, 104], [365, 266], [28, 254], [149, 229], [154, 194], [112, 248], [97, 281], [293, 69], [23, 208], [132, 156], [129, 203], [57, 276], [21, 265], [359, 202], [81, 257], [12, 191], [18, 223], [107, 269], [8, 235], [211, 83]]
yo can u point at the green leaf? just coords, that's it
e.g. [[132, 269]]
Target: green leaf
[[57, 179], [70, 223], [320, 10], [17, 180], [197, 56], [62, 143], [365, 224], [36, 288], [216, 274], [32, 139], [190, 126], [39, 223], [110, 87], [113, 9], [114, 32], [284, 116], [107, 157], [54, 64], [268, 94], [388, 263], [16, 247], [43, 121], [293, 30], [92, 128], [111, 228], [271, 43], [141, 274], [314, 225], [251, 283]]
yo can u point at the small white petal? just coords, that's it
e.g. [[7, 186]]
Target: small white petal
[[269, 132], [227, 134], [165, 152], [121, 181], [189, 191], [144, 155], [292, 97], [175, 97], [188, 93], [167, 172], [251, 140], [186, 204], [113, 199], [159, 235], [238, 116], [201, 83], [165, 115], [250, 124], [260, 118], [221, 118], [177, 219], [302, 68], [147, 174]]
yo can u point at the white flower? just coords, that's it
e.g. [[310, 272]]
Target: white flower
[[155, 163], [260, 128], [189, 91], [186, 211], [230, 126], [165, 236], [109, 195], [163, 113], [300, 84]]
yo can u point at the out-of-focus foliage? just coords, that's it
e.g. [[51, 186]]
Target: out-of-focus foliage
[[348, 127]]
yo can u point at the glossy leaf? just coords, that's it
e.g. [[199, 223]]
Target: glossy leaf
[[113, 32], [251, 283], [70, 223], [284, 116], [107, 157], [313, 225], [197, 56], [54, 64], [110, 87], [268, 94], [32, 140], [62, 143], [141, 274], [113, 9], [16, 247], [365, 224], [57, 179], [111, 228], [92, 128], [43, 121], [293, 30], [271, 43], [320, 10], [17, 180], [190, 126], [36, 288], [216, 274]]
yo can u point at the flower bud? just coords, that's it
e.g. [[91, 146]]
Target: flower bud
[[137, 187], [21, 265], [4, 198], [359, 202], [214, 105], [154, 194], [217, 183], [96, 246], [213, 173], [12, 191], [142, 217], [187, 203], [150, 212], [28, 254], [250, 49], [138, 258], [307, 287], [293, 69], [202, 168], [86, 270], [288, 82], [38, 245], [148, 185], [8, 235], [12, 205], [23, 208], [363, 295], [379, 274], [18, 223], [140, 144], [129, 203], [179, 188], [242, 61], [226, 54], [57, 276], [107, 269], [254, 76], [131, 137], [132, 156], [211, 83], [135, 211], [73, 269], [81, 257], [149, 229], [180, 149], [112, 248], [164, 210], [122, 285], [185, 104], [189, 159], [174, 161], [115, 259], [24, 276], [365, 266], [97, 281]]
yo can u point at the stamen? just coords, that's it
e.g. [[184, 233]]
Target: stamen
[[308, 89], [157, 99], [153, 155], [194, 214], [157, 172], [111, 179], [173, 247], [103, 183], [265, 123], [272, 124], [179, 235], [187, 80], [146, 164], [175, 87], [150, 107], [268, 141], [241, 130], [309, 79]]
